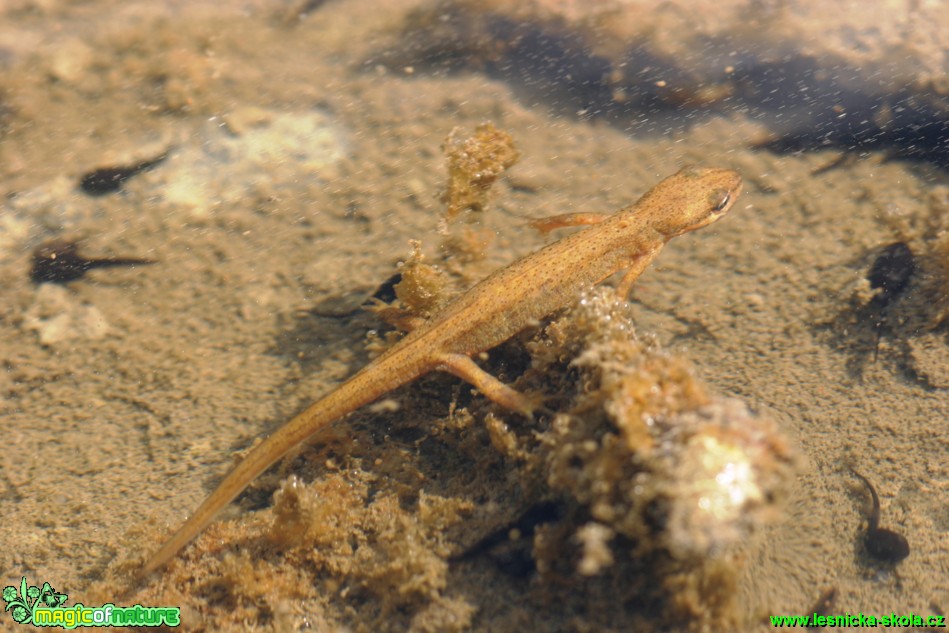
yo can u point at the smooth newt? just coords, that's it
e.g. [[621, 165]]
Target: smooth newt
[[494, 310]]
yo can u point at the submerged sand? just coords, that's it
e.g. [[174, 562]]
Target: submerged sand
[[297, 174]]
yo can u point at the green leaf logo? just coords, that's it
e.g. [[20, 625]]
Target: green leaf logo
[[21, 602]]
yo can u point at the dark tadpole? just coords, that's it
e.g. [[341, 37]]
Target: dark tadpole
[[58, 261], [891, 272], [882, 544], [889, 275], [384, 293], [104, 180]]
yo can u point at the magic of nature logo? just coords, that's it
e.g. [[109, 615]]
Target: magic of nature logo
[[44, 606]]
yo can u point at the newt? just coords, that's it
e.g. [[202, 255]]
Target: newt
[[491, 312]]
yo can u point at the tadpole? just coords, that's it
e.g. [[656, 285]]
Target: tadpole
[[58, 261], [882, 544], [103, 180], [891, 272]]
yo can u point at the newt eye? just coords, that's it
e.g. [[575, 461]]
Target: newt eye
[[723, 197]]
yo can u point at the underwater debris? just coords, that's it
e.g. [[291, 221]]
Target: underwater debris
[[515, 561], [680, 476], [417, 291], [728, 468], [59, 261], [474, 164], [419, 288], [422, 286]]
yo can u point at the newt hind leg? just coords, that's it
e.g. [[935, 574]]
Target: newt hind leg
[[463, 367]]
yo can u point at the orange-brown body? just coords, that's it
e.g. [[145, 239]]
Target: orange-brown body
[[491, 312]]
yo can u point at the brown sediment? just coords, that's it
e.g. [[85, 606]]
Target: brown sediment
[[474, 164]]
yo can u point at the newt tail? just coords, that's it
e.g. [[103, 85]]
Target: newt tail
[[356, 392]]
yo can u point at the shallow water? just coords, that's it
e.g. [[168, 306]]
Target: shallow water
[[304, 154]]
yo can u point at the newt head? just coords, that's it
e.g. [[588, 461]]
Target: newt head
[[692, 198]]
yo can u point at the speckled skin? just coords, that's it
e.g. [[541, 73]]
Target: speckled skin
[[505, 303]]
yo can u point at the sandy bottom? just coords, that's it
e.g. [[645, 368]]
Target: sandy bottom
[[120, 416]]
